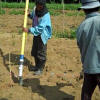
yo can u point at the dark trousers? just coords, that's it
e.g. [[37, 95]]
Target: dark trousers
[[89, 85], [39, 51]]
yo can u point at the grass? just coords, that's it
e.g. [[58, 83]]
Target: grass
[[65, 34], [60, 34], [20, 31], [75, 13], [49, 6], [55, 10], [72, 34], [16, 12], [12, 5], [66, 6], [54, 13], [2, 12]]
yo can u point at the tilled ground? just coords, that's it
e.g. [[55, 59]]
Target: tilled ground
[[60, 79]]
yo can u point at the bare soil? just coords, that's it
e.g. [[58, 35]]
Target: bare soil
[[60, 79]]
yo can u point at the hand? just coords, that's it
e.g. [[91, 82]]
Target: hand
[[28, 12], [25, 30]]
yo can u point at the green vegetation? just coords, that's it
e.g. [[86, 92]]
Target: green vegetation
[[2, 11], [12, 5], [16, 12], [55, 10], [65, 34], [72, 34], [50, 6], [75, 13], [60, 34], [20, 31]]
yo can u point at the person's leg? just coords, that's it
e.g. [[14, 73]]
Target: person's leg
[[89, 85], [41, 55], [81, 74], [98, 79], [34, 53], [41, 64], [34, 47]]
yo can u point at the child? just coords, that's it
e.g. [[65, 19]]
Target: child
[[42, 31], [88, 39]]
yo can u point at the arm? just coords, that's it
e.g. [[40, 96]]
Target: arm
[[44, 26], [37, 30]]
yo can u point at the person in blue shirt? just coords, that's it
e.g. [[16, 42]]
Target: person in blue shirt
[[42, 31], [88, 40]]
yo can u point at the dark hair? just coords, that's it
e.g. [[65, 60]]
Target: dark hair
[[43, 11], [41, 2]]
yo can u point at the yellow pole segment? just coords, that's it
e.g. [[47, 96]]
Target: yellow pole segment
[[25, 25], [23, 46]]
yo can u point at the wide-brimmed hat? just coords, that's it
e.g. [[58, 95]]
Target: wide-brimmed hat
[[89, 4]]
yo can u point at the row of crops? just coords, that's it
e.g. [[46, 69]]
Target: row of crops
[[50, 6], [52, 12], [54, 9]]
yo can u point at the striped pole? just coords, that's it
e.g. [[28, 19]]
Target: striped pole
[[23, 45]]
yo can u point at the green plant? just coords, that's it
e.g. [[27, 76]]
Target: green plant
[[60, 34], [49, 6], [54, 13], [2, 11], [65, 34], [74, 14], [72, 34], [16, 12], [20, 31]]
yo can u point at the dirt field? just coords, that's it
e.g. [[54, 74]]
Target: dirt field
[[60, 79]]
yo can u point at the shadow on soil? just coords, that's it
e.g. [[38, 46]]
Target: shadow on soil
[[48, 92], [3, 99], [14, 60]]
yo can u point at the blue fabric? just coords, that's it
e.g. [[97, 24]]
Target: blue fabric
[[88, 40], [44, 28]]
